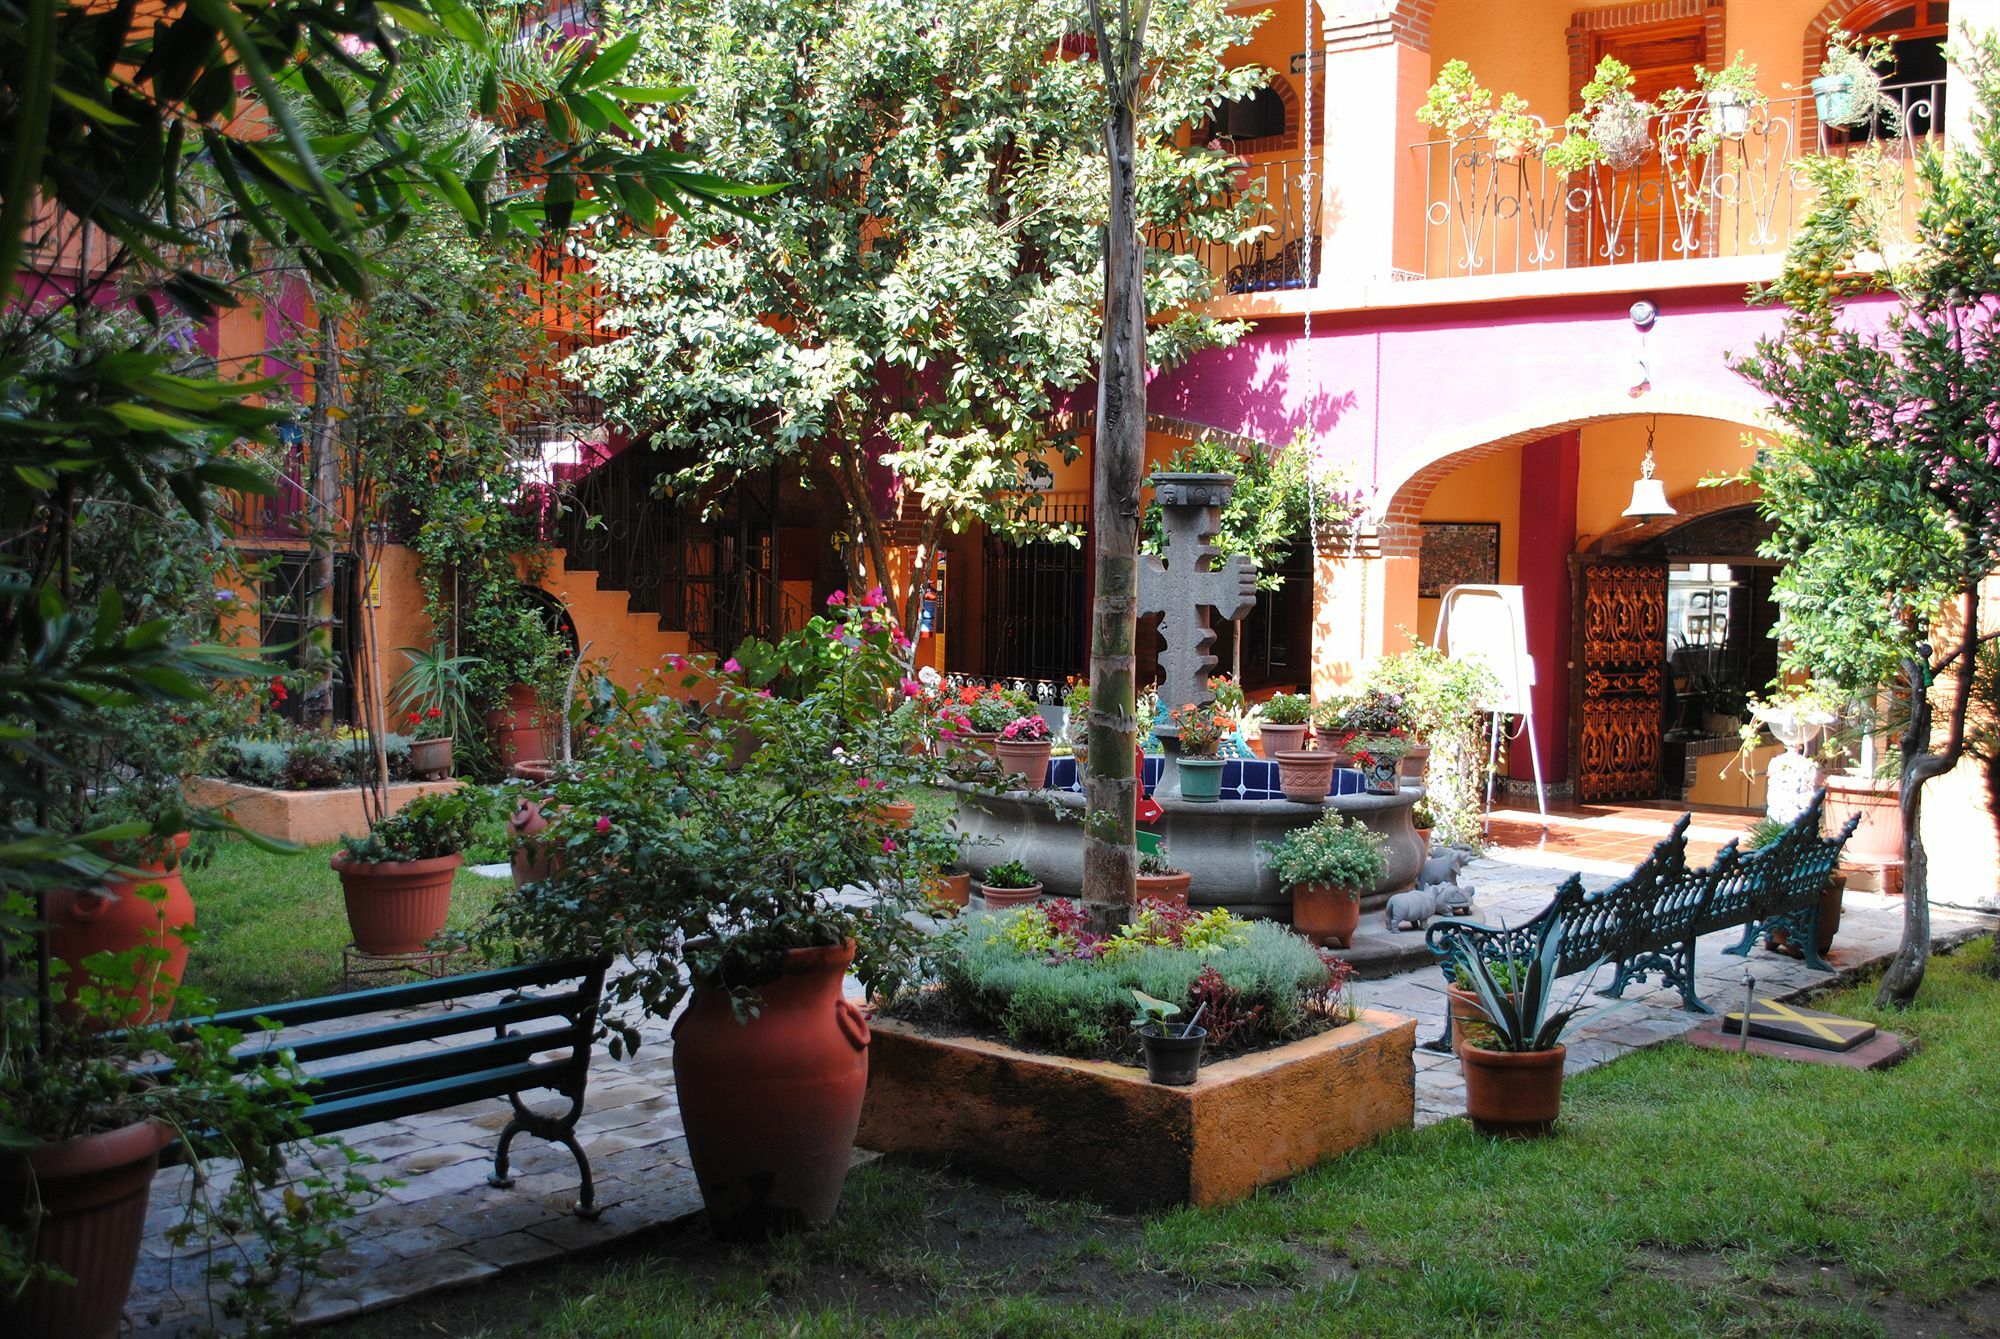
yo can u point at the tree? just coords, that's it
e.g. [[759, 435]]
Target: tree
[[1885, 484], [901, 329]]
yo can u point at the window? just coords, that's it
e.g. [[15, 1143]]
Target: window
[[1261, 116], [285, 606]]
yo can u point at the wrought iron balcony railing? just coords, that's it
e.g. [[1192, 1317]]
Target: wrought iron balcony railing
[[1702, 188], [1280, 257]]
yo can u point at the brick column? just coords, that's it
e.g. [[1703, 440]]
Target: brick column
[[1377, 64]]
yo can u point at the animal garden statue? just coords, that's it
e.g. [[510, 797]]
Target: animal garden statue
[[1416, 907]]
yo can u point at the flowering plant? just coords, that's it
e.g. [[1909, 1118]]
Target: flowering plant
[[1371, 711], [1335, 850], [1202, 729], [1287, 709], [426, 724], [1030, 729], [1228, 693], [692, 869], [992, 707], [1367, 750]]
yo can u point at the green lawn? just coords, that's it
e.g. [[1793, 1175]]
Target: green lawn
[[1688, 1193], [272, 926]]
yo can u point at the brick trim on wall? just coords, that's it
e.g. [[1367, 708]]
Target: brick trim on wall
[[1586, 24], [1294, 115], [1689, 506], [1356, 25]]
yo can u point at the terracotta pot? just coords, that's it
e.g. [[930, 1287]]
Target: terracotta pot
[[516, 729], [771, 1105], [1879, 839], [980, 742], [532, 860], [430, 759], [1830, 898], [953, 888], [396, 906], [1030, 762], [893, 813], [1326, 914], [1415, 763], [1282, 738], [1513, 1093], [115, 919], [1171, 888], [93, 1193], [1305, 777], [997, 898]]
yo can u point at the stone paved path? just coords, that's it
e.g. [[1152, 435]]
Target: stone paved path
[[443, 1226]]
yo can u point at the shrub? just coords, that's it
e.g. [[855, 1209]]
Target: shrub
[[1000, 976], [1026, 730], [1010, 874], [308, 761], [1287, 709], [1335, 850], [426, 828]]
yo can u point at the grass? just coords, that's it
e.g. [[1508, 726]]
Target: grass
[[272, 926], [1687, 1193]]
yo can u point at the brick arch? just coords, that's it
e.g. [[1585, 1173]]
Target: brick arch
[[1689, 506], [1405, 495], [1293, 133]]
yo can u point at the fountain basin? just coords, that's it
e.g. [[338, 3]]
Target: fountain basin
[[1219, 844]]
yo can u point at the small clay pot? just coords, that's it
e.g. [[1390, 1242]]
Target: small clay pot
[[430, 759], [894, 813], [955, 889], [1515, 1094], [1168, 888], [1282, 738], [1305, 777], [997, 898], [1029, 761]]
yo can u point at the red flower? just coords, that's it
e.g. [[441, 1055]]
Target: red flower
[[434, 713]]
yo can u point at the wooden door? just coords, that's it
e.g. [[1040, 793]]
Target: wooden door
[[1637, 214], [1620, 682]]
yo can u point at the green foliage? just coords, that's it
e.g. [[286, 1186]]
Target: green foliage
[[1268, 509], [301, 761], [1010, 874], [1443, 700], [660, 837], [931, 288], [1152, 1012], [440, 823], [1763, 832], [1083, 1007], [1334, 850], [1515, 993], [1610, 128], [1286, 709], [1158, 862]]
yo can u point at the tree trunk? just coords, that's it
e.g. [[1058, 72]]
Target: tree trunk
[[1110, 853], [1905, 973], [323, 520]]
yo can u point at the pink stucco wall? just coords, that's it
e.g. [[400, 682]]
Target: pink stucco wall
[[1380, 388]]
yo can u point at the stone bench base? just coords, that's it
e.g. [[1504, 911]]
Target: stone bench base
[[1101, 1131]]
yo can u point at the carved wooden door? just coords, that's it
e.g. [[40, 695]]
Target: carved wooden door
[[1621, 680]]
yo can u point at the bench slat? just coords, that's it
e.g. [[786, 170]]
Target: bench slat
[[447, 1062], [387, 999], [344, 1113], [430, 1027]]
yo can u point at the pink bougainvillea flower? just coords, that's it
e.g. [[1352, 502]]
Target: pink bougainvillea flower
[[947, 732], [873, 598], [888, 845], [911, 688], [677, 662], [603, 824], [730, 666], [863, 783], [837, 599], [902, 642], [763, 692]]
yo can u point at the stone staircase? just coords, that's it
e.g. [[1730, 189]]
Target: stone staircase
[[631, 643]]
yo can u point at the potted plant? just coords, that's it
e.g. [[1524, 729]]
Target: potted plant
[[1455, 104], [434, 696], [1160, 880], [1202, 730], [990, 710], [1282, 722], [1515, 131], [1733, 98], [519, 674], [1763, 833], [936, 850], [1328, 867], [1848, 91], [661, 847], [1466, 1013], [396, 879], [142, 901], [1009, 884], [1514, 1061], [1172, 1050], [1380, 760], [1613, 127], [1441, 702], [1023, 748]]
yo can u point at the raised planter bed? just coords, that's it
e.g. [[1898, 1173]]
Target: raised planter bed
[[308, 817], [1099, 1130]]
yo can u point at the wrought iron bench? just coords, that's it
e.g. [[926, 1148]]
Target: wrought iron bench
[[434, 1060], [1648, 921]]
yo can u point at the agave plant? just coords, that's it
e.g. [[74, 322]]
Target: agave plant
[[1515, 992]]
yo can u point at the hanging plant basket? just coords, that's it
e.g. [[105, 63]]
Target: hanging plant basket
[[1623, 132]]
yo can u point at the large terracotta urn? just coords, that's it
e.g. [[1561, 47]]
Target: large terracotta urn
[[92, 1192], [516, 727], [115, 919], [771, 1105]]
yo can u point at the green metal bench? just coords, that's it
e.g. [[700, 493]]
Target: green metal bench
[[1649, 921], [437, 1059]]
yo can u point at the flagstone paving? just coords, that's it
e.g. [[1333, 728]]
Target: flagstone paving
[[443, 1226]]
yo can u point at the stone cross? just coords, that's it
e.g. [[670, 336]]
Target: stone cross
[[1191, 583]]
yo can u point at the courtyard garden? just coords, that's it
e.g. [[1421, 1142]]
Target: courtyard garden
[[391, 946]]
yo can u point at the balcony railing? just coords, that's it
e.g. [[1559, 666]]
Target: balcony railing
[[1701, 189], [1279, 257]]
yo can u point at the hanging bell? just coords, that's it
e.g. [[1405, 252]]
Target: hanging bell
[[1649, 495]]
